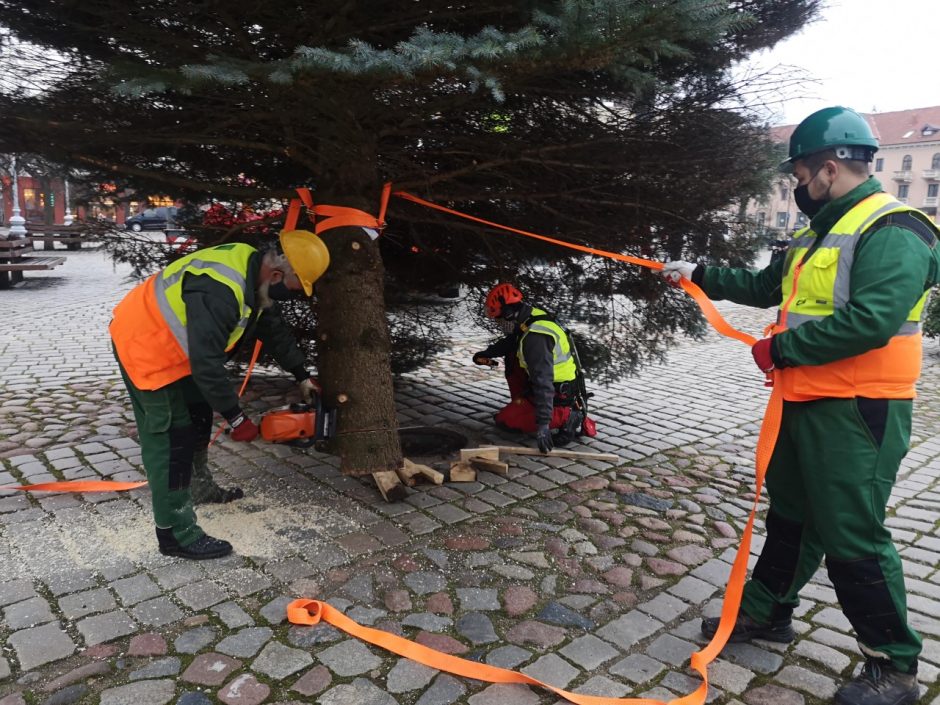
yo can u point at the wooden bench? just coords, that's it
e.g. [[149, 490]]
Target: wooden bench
[[13, 261], [69, 235]]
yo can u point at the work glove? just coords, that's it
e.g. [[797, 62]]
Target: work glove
[[673, 271], [243, 428], [481, 359], [310, 387], [544, 438], [760, 351]]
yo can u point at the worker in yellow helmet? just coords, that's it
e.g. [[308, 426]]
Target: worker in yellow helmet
[[173, 335]]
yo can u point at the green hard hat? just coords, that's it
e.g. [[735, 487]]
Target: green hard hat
[[831, 128]]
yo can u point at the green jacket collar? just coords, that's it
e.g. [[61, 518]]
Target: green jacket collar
[[834, 210]]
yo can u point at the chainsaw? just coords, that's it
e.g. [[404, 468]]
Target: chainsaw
[[300, 425]]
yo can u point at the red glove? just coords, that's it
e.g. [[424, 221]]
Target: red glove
[[761, 354], [243, 429]]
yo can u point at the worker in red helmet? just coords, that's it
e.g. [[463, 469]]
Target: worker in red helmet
[[546, 385]]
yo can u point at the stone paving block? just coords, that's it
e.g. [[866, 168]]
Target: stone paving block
[[232, 615], [508, 656], [817, 685], [194, 640], [833, 617], [407, 675], [828, 657], [161, 668], [278, 661], [16, 591], [106, 627], [244, 689], [664, 607], [445, 690], [604, 687], [4, 669], [637, 668], [39, 645], [752, 657], [499, 694], [84, 603], [157, 612], [349, 658], [178, 574], [135, 589], [359, 692], [729, 677], [627, 630], [210, 669], [199, 596], [28, 613], [671, 650], [156, 692], [71, 581], [245, 643], [314, 681], [773, 695], [478, 599], [553, 670], [589, 652], [244, 581]]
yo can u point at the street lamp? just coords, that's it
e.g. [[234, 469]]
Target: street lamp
[[67, 220], [16, 220]]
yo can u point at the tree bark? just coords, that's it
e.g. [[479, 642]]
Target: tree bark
[[354, 353]]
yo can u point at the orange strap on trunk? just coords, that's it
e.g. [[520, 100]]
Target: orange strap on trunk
[[333, 216]]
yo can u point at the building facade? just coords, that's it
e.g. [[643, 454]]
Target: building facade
[[907, 164]]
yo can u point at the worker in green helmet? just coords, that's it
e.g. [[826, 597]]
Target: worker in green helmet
[[846, 345]]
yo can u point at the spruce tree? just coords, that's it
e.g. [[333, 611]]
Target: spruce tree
[[612, 123]]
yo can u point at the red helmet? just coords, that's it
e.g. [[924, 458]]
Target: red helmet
[[499, 296]]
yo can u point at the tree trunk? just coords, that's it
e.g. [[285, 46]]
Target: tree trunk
[[354, 352]]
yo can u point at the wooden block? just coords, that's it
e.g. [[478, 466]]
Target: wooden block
[[462, 472], [491, 452], [496, 467], [411, 473], [430, 474], [389, 485], [560, 453]]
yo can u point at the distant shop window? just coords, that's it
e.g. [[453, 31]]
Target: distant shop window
[[782, 219], [801, 220], [879, 164], [932, 190], [784, 191], [935, 162], [906, 163], [902, 190], [761, 217]]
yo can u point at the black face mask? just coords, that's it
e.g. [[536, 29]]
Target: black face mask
[[806, 203], [280, 292]]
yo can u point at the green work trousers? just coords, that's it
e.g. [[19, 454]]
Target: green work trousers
[[168, 442], [829, 480]]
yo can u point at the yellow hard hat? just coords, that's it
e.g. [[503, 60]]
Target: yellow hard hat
[[307, 254]]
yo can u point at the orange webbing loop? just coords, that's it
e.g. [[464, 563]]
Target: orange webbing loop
[[334, 216]]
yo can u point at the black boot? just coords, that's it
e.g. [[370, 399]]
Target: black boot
[[567, 433], [746, 629], [879, 683], [199, 550]]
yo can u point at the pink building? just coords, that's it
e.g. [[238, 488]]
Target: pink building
[[907, 164]]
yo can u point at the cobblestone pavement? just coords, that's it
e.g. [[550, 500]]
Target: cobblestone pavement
[[590, 576]]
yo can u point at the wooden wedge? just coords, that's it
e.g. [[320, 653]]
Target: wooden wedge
[[491, 452], [390, 485], [497, 467], [462, 472]]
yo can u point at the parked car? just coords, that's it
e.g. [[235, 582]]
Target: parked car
[[159, 218]]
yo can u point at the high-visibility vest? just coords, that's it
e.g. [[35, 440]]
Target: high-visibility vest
[[821, 286], [564, 368], [149, 324]]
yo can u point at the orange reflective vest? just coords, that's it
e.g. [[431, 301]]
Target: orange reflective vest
[[149, 324], [817, 288]]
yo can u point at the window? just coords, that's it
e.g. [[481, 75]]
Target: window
[[902, 190], [879, 164], [801, 220], [932, 190], [761, 217], [782, 219], [906, 163], [935, 162], [784, 192]]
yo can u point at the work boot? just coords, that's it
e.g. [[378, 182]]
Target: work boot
[[746, 629], [199, 550], [879, 683], [569, 431], [204, 489]]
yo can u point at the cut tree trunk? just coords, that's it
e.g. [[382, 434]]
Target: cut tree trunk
[[354, 353]]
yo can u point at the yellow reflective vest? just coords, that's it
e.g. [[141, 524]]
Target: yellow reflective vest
[[820, 286], [149, 324], [564, 368]]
